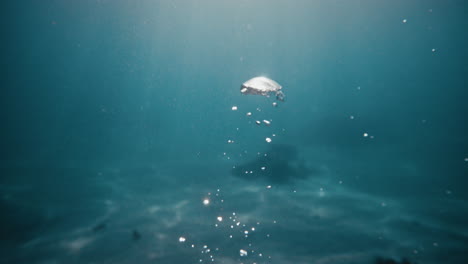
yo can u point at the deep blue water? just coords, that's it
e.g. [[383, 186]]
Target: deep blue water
[[117, 125]]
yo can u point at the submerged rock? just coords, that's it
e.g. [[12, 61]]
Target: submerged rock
[[381, 260], [136, 235], [280, 164], [99, 227]]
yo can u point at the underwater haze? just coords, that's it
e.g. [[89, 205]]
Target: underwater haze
[[125, 137]]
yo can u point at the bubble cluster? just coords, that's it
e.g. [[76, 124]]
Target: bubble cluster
[[230, 232]]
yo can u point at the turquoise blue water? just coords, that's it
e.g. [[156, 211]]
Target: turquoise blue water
[[125, 137]]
